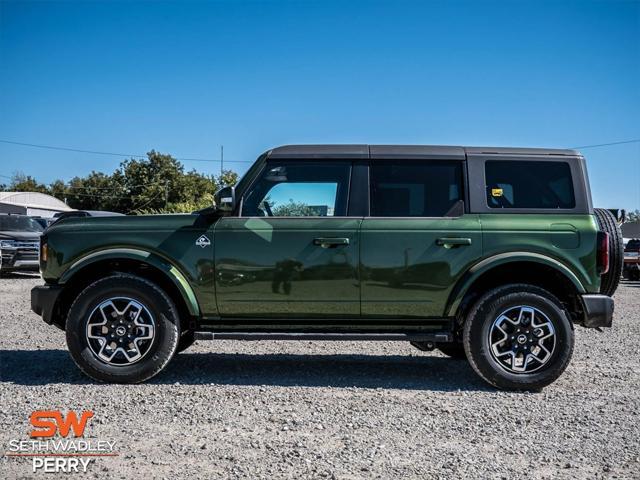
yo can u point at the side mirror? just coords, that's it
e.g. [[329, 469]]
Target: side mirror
[[225, 199]]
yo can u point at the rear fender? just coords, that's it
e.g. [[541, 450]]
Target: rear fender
[[477, 270]]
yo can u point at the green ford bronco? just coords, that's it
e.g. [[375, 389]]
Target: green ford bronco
[[488, 254]]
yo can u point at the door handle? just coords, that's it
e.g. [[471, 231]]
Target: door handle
[[453, 242], [330, 242]]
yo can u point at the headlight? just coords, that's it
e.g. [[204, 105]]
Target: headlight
[[8, 244]]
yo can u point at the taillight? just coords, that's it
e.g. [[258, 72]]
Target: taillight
[[603, 253]]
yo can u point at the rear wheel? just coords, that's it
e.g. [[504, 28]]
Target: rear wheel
[[518, 337], [607, 223], [122, 329]]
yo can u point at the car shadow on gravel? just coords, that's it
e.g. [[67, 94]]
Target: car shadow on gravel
[[8, 275], [42, 367]]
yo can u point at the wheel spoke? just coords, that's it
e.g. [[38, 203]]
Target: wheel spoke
[[525, 313]]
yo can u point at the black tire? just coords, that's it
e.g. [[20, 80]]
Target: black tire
[[607, 223], [161, 346], [186, 340], [479, 324], [453, 350]]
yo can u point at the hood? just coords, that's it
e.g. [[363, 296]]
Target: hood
[[128, 223], [20, 236]]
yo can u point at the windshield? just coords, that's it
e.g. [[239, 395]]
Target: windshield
[[14, 223]]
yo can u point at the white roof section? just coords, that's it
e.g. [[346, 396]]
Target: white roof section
[[34, 200]]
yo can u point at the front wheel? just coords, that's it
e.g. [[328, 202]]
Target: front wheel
[[518, 337], [122, 329], [186, 340]]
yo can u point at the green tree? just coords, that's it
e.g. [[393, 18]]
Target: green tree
[[96, 191], [154, 184], [227, 178], [159, 183], [58, 189], [293, 209], [26, 183]]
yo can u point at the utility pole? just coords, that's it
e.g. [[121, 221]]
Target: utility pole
[[221, 159]]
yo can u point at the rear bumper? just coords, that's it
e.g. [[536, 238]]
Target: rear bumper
[[598, 310], [43, 300]]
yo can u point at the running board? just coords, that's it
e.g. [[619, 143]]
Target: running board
[[439, 337]]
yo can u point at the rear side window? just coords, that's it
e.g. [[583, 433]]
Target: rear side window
[[415, 189], [529, 185]]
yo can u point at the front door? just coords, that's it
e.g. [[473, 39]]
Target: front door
[[292, 252], [418, 241]]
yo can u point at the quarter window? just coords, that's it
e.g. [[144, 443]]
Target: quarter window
[[529, 184], [299, 189], [415, 189]]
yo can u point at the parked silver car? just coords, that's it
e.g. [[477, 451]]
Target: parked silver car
[[19, 243]]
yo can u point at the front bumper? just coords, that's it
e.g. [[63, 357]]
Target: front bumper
[[16, 259], [44, 299], [598, 310]]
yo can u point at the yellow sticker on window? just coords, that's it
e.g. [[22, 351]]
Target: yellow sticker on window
[[496, 192]]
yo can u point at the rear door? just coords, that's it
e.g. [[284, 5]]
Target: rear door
[[293, 252], [418, 240]]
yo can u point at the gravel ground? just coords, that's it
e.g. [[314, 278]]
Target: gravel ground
[[323, 409]]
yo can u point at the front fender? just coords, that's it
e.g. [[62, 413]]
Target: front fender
[[152, 259], [487, 264]]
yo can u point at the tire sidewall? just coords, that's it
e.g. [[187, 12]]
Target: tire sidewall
[[477, 343], [151, 297]]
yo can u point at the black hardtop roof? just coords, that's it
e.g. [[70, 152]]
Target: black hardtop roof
[[388, 152]]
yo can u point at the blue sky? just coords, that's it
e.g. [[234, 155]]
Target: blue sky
[[183, 78]]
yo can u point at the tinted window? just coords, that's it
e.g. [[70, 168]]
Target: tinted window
[[299, 189], [529, 185], [14, 223], [415, 189]]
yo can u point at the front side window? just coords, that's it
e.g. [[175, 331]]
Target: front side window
[[299, 189], [518, 184], [415, 188]]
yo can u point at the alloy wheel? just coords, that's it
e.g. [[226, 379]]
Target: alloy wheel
[[120, 331], [522, 339]]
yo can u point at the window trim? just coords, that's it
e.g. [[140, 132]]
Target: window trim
[[478, 194], [568, 168], [464, 188], [282, 161]]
